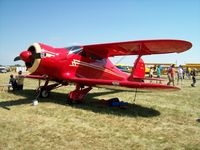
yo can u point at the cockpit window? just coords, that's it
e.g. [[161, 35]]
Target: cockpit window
[[74, 49], [79, 50]]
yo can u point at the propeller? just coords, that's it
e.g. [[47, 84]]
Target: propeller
[[17, 58], [28, 56]]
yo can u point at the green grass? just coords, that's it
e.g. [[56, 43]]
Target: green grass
[[157, 120]]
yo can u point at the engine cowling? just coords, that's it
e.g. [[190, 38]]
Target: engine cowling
[[32, 63]]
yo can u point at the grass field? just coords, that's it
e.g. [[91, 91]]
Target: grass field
[[157, 120]]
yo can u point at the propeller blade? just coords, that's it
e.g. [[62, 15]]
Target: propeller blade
[[17, 58]]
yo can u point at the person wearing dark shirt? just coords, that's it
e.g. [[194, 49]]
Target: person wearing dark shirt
[[13, 83], [193, 74]]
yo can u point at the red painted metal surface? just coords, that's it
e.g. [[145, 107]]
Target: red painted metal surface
[[89, 65], [138, 70], [143, 47], [25, 56]]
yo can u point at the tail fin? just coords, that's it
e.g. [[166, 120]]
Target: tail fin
[[138, 70]]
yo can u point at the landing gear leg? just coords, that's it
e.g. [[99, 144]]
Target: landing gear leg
[[78, 94], [44, 91]]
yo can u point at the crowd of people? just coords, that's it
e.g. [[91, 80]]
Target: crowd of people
[[173, 73], [17, 82]]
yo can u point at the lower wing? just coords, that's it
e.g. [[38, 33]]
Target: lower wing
[[35, 77], [115, 84], [111, 83]]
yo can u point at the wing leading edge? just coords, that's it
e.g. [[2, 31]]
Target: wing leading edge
[[145, 47], [127, 84]]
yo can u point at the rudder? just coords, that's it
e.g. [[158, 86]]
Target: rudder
[[138, 70]]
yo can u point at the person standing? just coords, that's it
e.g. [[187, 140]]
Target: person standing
[[184, 70], [193, 74], [188, 71], [20, 81], [12, 83], [171, 75], [151, 72], [179, 74], [158, 72]]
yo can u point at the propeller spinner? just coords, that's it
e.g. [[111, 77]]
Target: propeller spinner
[[32, 57], [27, 56]]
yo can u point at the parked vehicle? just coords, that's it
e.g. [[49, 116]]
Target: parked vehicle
[[3, 70]]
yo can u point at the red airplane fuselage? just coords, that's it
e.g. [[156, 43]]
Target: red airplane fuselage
[[89, 65], [59, 63]]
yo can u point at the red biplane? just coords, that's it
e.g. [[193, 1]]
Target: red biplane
[[89, 65]]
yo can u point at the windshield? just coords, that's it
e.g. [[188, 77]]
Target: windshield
[[74, 49]]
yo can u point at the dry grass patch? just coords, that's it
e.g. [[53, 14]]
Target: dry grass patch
[[158, 120]]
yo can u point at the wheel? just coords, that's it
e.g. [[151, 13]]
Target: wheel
[[44, 93]]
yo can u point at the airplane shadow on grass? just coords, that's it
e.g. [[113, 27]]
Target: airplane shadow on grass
[[91, 104]]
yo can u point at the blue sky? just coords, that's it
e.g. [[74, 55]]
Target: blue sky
[[63, 23]]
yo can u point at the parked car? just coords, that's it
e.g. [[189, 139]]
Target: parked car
[[3, 70]]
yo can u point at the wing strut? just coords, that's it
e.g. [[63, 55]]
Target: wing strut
[[129, 53], [135, 96]]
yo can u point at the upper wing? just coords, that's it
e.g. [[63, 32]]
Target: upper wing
[[145, 47]]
